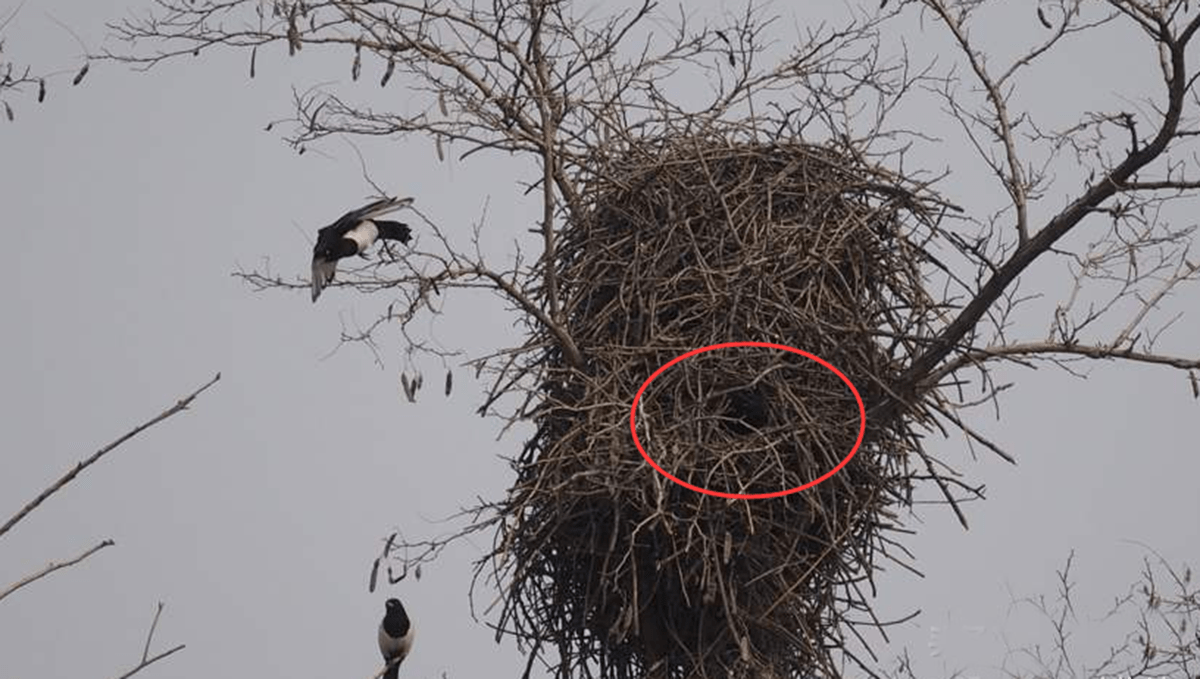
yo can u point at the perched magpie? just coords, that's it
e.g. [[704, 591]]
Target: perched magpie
[[395, 637], [352, 234]]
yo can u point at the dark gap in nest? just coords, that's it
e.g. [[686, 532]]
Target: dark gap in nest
[[747, 410]]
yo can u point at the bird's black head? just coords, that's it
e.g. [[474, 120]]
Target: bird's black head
[[396, 621]]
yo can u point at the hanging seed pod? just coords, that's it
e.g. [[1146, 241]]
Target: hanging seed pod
[[1042, 18], [441, 153], [442, 103], [410, 391], [387, 74], [302, 150], [253, 59], [8, 112], [1195, 385], [356, 67], [449, 381], [80, 75], [419, 381], [41, 90], [374, 576]]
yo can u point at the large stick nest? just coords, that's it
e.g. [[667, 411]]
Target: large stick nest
[[684, 242]]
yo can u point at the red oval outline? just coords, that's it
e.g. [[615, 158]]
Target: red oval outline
[[862, 419]]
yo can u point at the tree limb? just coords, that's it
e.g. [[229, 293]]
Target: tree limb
[[179, 406], [1028, 252], [51, 567], [147, 659]]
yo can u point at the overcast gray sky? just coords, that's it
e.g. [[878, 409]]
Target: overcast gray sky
[[129, 200]]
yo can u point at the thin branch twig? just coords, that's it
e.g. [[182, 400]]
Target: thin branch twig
[[147, 659], [179, 406], [51, 567]]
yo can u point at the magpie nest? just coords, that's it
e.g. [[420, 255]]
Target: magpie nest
[[681, 243]]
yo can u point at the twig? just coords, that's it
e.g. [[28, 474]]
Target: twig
[[150, 635], [1027, 349], [179, 406], [1015, 182], [147, 659], [51, 567], [1066, 220]]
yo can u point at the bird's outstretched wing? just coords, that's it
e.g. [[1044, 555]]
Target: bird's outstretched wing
[[373, 210]]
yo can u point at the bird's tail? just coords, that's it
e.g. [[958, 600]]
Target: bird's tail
[[393, 230], [393, 671]]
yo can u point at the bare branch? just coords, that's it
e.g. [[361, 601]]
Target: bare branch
[[179, 406], [147, 659], [1159, 612], [51, 567], [17, 79], [1027, 349], [1086, 204], [1014, 181]]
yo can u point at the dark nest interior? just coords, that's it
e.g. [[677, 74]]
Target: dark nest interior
[[684, 242]]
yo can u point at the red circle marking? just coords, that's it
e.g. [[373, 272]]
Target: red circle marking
[[862, 419]]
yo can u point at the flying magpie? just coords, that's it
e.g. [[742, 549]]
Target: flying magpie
[[352, 234], [395, 637]]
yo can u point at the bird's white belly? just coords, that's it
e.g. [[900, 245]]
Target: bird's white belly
[[396, 647], [364, 235]]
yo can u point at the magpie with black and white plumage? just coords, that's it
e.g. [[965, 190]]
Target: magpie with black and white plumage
[[352, 234], [395, 637]]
